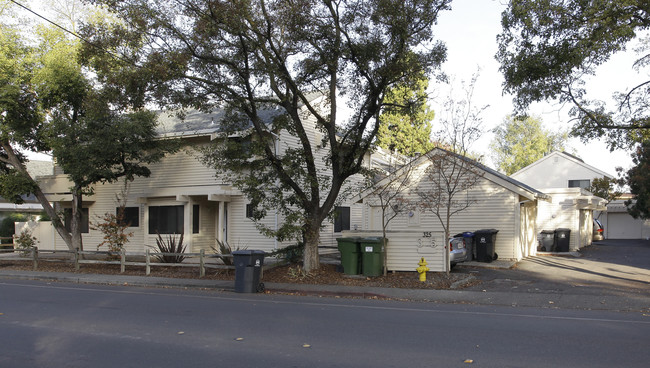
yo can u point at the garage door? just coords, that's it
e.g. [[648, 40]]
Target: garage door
[[623, 226]]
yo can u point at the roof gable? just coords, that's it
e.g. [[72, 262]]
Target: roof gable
[[489, 174], [557, 155]]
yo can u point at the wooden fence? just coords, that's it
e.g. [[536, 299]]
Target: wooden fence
[[34, 254]]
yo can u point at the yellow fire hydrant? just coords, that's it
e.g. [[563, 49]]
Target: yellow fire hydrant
[[422, 270]]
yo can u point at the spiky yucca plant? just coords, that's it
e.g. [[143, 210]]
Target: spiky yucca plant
[[171, 245]]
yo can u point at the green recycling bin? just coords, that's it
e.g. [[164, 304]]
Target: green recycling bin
[[349, 248], [372, 256]]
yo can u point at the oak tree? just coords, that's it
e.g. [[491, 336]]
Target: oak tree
[[255, 56], [548, 48]]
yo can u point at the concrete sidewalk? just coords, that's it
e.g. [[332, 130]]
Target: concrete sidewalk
[[610, 275], [630, 303]]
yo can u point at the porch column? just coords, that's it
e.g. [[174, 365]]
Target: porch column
[[220, 219]]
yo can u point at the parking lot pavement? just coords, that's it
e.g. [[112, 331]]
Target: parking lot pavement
[[609, 267]]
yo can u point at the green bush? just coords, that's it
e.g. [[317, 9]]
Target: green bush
[[291, 254], [7, 227]]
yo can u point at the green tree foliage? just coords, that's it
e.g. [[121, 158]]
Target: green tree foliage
[[7, 226], [262, 61], [548, 47], [520, 141], [405, 123], [50, 105], [607, 188], [21, 120], [639, 181], [93, 140]]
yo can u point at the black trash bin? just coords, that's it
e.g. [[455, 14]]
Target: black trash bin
[[248, 267], [484, 242], [562, 239], [547, 241]]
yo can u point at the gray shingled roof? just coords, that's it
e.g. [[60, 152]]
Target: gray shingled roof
[[195, 122], [198, 122]]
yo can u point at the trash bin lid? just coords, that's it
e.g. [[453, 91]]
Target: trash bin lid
[[468, 234], [486, 231], [351, 239], [548, 231], [372, 240], [247, 252]]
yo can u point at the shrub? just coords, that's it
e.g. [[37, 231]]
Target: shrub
[[298, 273], [25, 242], [291, 254], [224, 249], [114, 230], [174, 248], [7, 226]]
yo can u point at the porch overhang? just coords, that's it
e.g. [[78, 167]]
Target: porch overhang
[[183, 194], [66, 197]]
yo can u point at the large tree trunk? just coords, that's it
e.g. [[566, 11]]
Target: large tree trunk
[[311, 260], [47, 207], [77, 214]]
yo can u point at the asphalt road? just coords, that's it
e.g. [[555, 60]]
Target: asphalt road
[[71, 325]]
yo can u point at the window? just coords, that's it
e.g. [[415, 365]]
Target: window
[[341, 219], [250, 211], [195, 219], [584, 184], [166, 219], [131, 216], [67, 214]]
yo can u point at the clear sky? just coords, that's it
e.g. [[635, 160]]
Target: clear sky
[[469, 30]]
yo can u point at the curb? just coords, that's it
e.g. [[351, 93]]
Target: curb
[[452, 296]]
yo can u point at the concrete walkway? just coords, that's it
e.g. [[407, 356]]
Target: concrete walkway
[[611, 275]]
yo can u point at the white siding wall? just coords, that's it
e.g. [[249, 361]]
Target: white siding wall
[[555, 171], [496, 207], [560, 213], [405, 248], [181, 179], [208, 216], [180, 174], [528, 235], [242, 231]]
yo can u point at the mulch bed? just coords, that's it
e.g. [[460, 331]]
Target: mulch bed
[[327, 274]]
